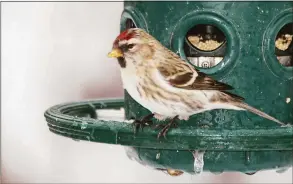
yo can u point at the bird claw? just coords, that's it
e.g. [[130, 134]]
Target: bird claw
[[162, 126], [143, 122], [138, 124], [165, 128]]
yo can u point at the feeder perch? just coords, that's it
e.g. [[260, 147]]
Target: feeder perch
[[245, 44]]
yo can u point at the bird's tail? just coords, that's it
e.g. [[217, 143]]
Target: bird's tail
[[258, 112]]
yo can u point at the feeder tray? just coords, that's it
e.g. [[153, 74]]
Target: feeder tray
[[242, 150], [219, 140]]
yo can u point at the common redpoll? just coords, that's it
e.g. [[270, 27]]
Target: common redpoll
[[169, 87]]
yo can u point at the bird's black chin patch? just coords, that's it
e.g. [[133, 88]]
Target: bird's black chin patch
[[121, 62]]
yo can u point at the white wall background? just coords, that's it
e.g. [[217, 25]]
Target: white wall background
[[54, 53]]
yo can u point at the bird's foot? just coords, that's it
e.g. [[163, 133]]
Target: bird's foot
[[143, 122], [165, 128]]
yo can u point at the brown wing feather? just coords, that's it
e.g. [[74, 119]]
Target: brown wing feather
[[181, 79], [176, 74], [179, 75], [204, 82], [234, 97]]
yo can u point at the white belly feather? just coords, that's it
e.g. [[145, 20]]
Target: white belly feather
[[130, 85], [130, 81]]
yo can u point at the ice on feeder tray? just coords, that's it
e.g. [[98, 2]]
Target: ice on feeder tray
[[83, 125], [198, 161], [112, 115]]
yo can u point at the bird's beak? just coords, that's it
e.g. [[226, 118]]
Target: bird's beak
[[115, 53]]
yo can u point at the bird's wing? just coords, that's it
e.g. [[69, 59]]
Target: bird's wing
[[177, 74], [204, 82], [184, 76]]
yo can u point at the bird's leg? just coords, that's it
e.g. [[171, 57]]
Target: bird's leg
[[172, 123], [143, 122]]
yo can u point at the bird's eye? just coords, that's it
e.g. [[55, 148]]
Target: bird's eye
[[130, 46], [126, 47]]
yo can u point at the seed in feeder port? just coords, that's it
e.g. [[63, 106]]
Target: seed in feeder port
[[283, 42], [288, 100], [207, 45]]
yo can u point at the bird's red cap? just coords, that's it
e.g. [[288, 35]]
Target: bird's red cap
[[125, 35]]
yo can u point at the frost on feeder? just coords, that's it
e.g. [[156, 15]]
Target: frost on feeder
[[227, 45]]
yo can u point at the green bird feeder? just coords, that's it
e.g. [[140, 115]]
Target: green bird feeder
[[247, 45]]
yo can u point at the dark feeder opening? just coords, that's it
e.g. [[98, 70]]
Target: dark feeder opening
[[129, 24], [284, 45], [205, 45]]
